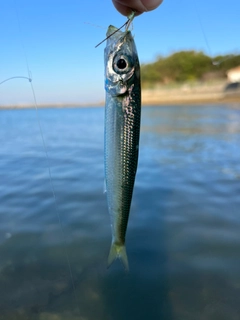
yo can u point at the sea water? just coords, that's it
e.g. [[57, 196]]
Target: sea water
[[183, 237]]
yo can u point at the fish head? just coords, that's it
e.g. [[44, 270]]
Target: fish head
[[121, 62]]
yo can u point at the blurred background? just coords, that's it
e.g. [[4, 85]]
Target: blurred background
[[58, 39]]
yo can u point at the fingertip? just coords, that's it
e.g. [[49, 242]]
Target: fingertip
[[125, 10], [151, 4]]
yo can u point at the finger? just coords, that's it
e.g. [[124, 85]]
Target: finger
[[126, 7]]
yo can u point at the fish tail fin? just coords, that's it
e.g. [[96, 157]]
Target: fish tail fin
[[118, 252]]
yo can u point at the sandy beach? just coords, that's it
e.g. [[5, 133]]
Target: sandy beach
[[211, 92]]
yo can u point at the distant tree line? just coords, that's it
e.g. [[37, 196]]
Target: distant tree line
[[187, 66]]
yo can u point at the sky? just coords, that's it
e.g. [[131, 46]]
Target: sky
[[55, 40]]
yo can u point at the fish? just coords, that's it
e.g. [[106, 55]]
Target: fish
[[121, 133]]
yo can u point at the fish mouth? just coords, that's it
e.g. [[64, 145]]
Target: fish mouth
[[111, 29]]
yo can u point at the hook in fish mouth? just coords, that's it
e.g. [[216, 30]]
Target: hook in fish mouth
[[127, 24]]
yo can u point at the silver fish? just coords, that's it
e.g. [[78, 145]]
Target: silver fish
[[122, 129]]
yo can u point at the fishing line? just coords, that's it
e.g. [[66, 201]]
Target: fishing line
[[214, 62], [46, 154], [16, 77], [127, 24], [111, 34], [54, 195], [202, 30], [94, 25], [217, 63]]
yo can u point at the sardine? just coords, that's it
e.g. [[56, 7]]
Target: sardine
[[122, 129]]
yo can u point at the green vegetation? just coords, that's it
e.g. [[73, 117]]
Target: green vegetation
[[187, 66]]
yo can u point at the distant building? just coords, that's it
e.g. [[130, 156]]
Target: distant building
[[233, 75]]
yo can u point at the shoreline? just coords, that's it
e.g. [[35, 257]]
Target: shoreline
[[194, 94], [145, 103], [192, 100], [190, 93]]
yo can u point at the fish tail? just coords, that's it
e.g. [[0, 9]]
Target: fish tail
[[118, 252]]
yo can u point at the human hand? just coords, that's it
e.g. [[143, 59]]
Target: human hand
[[126, 7]]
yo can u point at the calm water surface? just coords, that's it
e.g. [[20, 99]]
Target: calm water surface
[[183, 238]]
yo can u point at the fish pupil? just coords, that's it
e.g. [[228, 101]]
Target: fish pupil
[[121, 64]]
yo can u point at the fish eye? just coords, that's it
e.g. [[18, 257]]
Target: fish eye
[[121, 64]]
